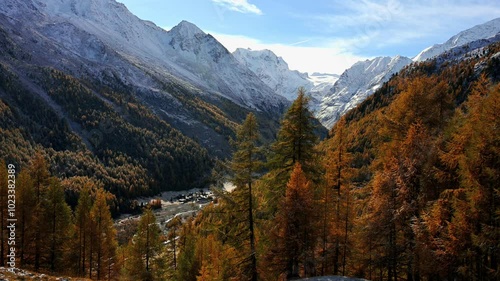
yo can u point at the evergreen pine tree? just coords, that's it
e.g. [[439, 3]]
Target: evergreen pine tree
[[245, 165], [335, 224], [296, 140], [295, 143], [173, 227], [188, 265], [474, 154]]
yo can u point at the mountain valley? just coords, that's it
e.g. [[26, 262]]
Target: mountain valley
[[387, 171]]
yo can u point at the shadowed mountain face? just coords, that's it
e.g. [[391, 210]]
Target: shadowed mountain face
[[95, 40], [104, 94]]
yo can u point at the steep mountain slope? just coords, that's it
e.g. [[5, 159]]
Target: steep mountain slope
[[323, 82], [275, 73], [183, 75], [103, 94], [421, 145], [185, 52], [89, 127], [360, 81], [482, 31], [356, 84]]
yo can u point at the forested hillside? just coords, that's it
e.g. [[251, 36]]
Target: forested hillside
[[94, 123], [405, 188], [107, 135], [95, 110]]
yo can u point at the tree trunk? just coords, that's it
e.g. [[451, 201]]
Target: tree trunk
[[325, 221], [252, 235], [346, 229], [337, 238], [53, 246]]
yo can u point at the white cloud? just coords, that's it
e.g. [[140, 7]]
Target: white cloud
[[382, 23], [241, 6], [356, 30], [329, 58]]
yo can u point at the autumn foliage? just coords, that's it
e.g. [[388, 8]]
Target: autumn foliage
[[406, 187]]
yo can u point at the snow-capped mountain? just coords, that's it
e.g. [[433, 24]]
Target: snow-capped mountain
[[482, 31], [365, 77], [322, 82], [274, 72], [185, 52], [105, 33], [356, 84], [184, 75]]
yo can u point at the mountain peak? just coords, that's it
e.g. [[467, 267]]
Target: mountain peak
[[481, 31], [273, 71], [262, 55], [187, 29]]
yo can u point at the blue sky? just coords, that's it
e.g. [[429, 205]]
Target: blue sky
[[323, 35]]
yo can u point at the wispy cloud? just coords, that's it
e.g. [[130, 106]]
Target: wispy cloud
[[241, 6], [300, 42], [382, 23], [325, 56]]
